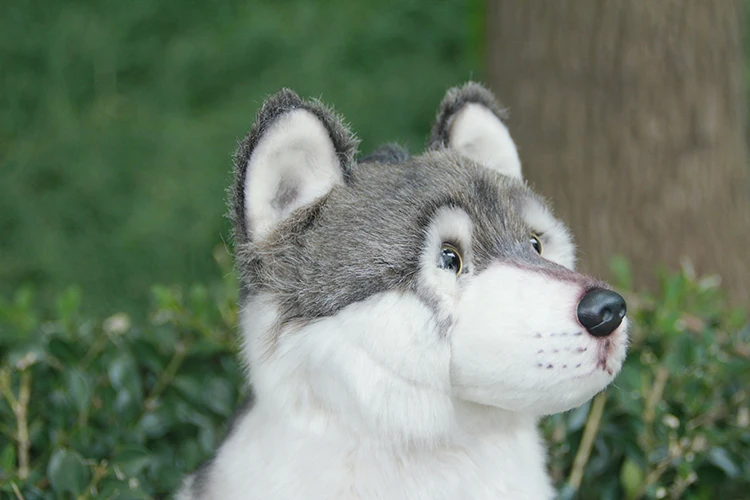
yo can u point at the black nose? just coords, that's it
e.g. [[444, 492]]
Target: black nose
[[601, 311]]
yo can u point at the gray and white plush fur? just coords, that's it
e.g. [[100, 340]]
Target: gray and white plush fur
[[378, 370]]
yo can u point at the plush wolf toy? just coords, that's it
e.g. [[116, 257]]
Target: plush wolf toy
[[405, 320]]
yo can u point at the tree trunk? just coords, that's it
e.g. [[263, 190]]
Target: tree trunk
[[630, 116]]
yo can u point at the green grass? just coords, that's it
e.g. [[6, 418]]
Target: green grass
[[118, 120]]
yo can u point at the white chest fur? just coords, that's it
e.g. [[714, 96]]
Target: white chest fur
[[273, 459]]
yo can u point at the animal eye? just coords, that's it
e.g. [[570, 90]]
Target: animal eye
[[536, 243], [450, 259]]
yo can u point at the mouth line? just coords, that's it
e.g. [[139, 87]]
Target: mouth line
[[597, 369], [601, 350], [605, 349]]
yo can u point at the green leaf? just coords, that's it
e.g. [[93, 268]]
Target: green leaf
[[578, 416], [67, 473], [207, 438], [64, 350], [721, 459], [206, 348], [191, 388], [631, 477], [124, 375], [122, 371], [155, 424], [79, 387], [126, 379], [113, 488], [567, 493], [149, 357], [190, 452], [218, 396], [69, 302], [621, 272], [132, 460], [8, 458]]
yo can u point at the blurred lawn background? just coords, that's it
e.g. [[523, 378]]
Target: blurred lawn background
[[118, 120]]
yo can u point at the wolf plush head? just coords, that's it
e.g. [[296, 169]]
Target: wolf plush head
[[397, 294]]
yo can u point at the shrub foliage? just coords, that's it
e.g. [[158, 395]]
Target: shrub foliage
[[110, 409]]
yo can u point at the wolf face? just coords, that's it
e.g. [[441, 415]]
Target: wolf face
[[394, 295], [405, 320]]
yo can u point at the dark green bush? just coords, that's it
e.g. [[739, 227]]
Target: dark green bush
[[676, 421], [109, 409], [113, 409]]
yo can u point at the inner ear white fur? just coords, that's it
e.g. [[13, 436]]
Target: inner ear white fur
[[293, 164], [480, 135]]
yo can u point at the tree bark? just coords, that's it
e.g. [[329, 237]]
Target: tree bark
[[629, 115]]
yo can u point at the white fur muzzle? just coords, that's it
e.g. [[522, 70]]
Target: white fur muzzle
[[517, 344]]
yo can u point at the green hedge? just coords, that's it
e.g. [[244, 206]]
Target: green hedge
[[110, 409]]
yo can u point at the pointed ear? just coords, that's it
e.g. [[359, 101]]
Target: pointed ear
[[295, 153], [470, 121]]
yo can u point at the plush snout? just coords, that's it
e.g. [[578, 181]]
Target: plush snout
[[528, 342]]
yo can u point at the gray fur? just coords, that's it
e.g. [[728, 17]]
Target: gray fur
[[322, 259], [387, 153], [282, 102]]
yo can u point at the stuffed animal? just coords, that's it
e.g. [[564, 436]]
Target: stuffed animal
[[405, 320]]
